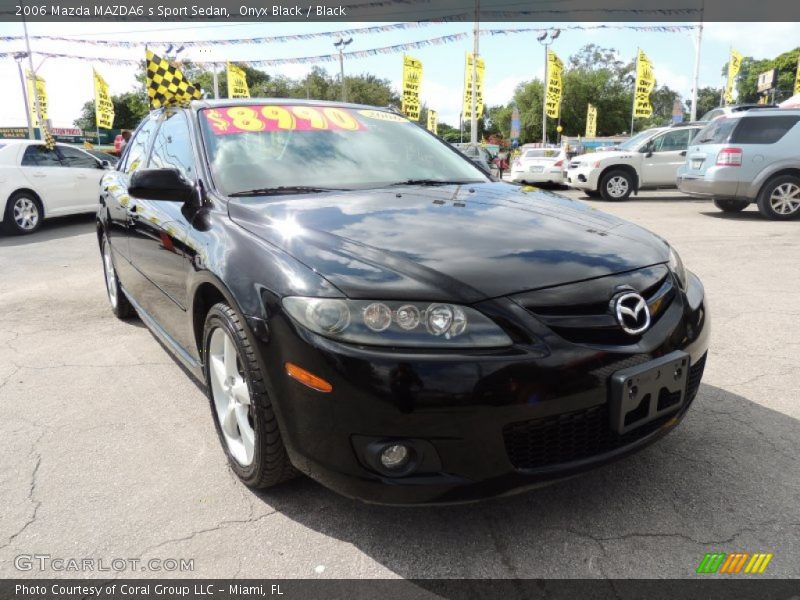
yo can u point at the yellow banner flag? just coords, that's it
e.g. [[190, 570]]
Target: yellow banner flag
[[554, 70], [797, 78], [734, 64], [42, 93], [433, 122], [412, 80], [481, 68], [103, 106], [591, 121], [237, 82], [645, 82]]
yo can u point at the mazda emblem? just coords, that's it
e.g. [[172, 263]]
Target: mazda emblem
[[631, 312]]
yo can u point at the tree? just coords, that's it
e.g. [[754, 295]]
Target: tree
[[747, 83], [707, 99]]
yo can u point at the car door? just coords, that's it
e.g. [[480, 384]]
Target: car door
[[86, 174], [159, 230], [667, 152], [47, 176]]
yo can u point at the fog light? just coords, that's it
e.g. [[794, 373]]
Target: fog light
[[395, 456]]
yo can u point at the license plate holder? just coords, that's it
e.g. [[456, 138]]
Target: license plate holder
[[646, 392]]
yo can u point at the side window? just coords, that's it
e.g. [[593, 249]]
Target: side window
[[172, 147], [138, 146], [72, 157], [39, 156], [762, 130], [673, 141]]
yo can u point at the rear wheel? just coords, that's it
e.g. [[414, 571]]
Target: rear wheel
[[242, 410], [616, 185], [730, 205], [779, 199], [23, 213]]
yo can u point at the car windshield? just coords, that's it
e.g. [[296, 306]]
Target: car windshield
[[255, 147], [636, 141]]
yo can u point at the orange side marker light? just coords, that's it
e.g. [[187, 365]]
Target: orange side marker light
[[307, 379]]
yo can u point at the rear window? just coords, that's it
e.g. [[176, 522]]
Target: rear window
[[763, 130], [716, 132]]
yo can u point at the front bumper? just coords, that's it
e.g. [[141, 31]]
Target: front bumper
[[462, 406], [582, 178]]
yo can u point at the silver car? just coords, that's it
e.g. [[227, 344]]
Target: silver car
[[747, 157]]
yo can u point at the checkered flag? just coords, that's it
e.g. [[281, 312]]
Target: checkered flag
[[166, 83], [49, 140]]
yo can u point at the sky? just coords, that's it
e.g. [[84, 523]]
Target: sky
[[510, 59]]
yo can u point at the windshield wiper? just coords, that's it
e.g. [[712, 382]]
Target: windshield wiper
[[432, 182], [284, 189]]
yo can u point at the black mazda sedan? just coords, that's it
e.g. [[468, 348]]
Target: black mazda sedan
[[368, 307]]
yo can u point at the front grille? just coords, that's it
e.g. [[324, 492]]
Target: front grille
[[582, 314], [579, 435]]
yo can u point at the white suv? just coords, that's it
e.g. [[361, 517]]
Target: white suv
[[649, 159]]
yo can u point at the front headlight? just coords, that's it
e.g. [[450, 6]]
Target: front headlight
[[676, 266], [397, 323]]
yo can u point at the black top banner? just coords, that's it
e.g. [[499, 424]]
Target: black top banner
[[399, 10]]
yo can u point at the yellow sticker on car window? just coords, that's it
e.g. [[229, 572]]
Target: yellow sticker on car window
[[380, 115]]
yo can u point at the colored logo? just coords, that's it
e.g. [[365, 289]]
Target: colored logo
[[735, 563]]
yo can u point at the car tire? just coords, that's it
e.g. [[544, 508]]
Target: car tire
[[120, 305], [779, 199], [240, 404], [616, 185], [23, 213], [591, 193], [729, 205]]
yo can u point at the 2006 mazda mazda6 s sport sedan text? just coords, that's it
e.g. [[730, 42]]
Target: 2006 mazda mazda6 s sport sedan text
[[366, 306]]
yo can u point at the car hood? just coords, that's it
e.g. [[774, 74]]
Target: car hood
[[457, 242]]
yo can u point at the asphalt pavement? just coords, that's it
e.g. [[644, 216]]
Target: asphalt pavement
[[109, 450]]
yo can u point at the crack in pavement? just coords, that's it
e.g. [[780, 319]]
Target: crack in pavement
[[36, 503]]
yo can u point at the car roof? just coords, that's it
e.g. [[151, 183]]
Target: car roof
[[219, 103], [764, 112]]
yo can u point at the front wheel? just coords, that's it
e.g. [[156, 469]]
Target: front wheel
[[241, 408], [120, 305], [729, 205], [23, 214], [616, 185], [779, 199]]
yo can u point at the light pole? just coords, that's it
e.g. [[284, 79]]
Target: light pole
[[19, 56], [544, 41], [341, 44], [698, 40], [35, 81]]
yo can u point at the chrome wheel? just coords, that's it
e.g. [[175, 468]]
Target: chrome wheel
[[26, 213], [231, 397], [785, 199], [111, 276], [617, 186]]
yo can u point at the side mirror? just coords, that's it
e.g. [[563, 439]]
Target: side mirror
[[683, 152], [161, 184], [103, 164]]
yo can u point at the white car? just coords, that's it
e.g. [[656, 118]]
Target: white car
[[37, 183], [646, 161], [539, 165]]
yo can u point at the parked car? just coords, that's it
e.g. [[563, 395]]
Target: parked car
[[539, 165], [477, 154], [648, 160], [37, 183], [747, 157], [402, 331], [730, 110]]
